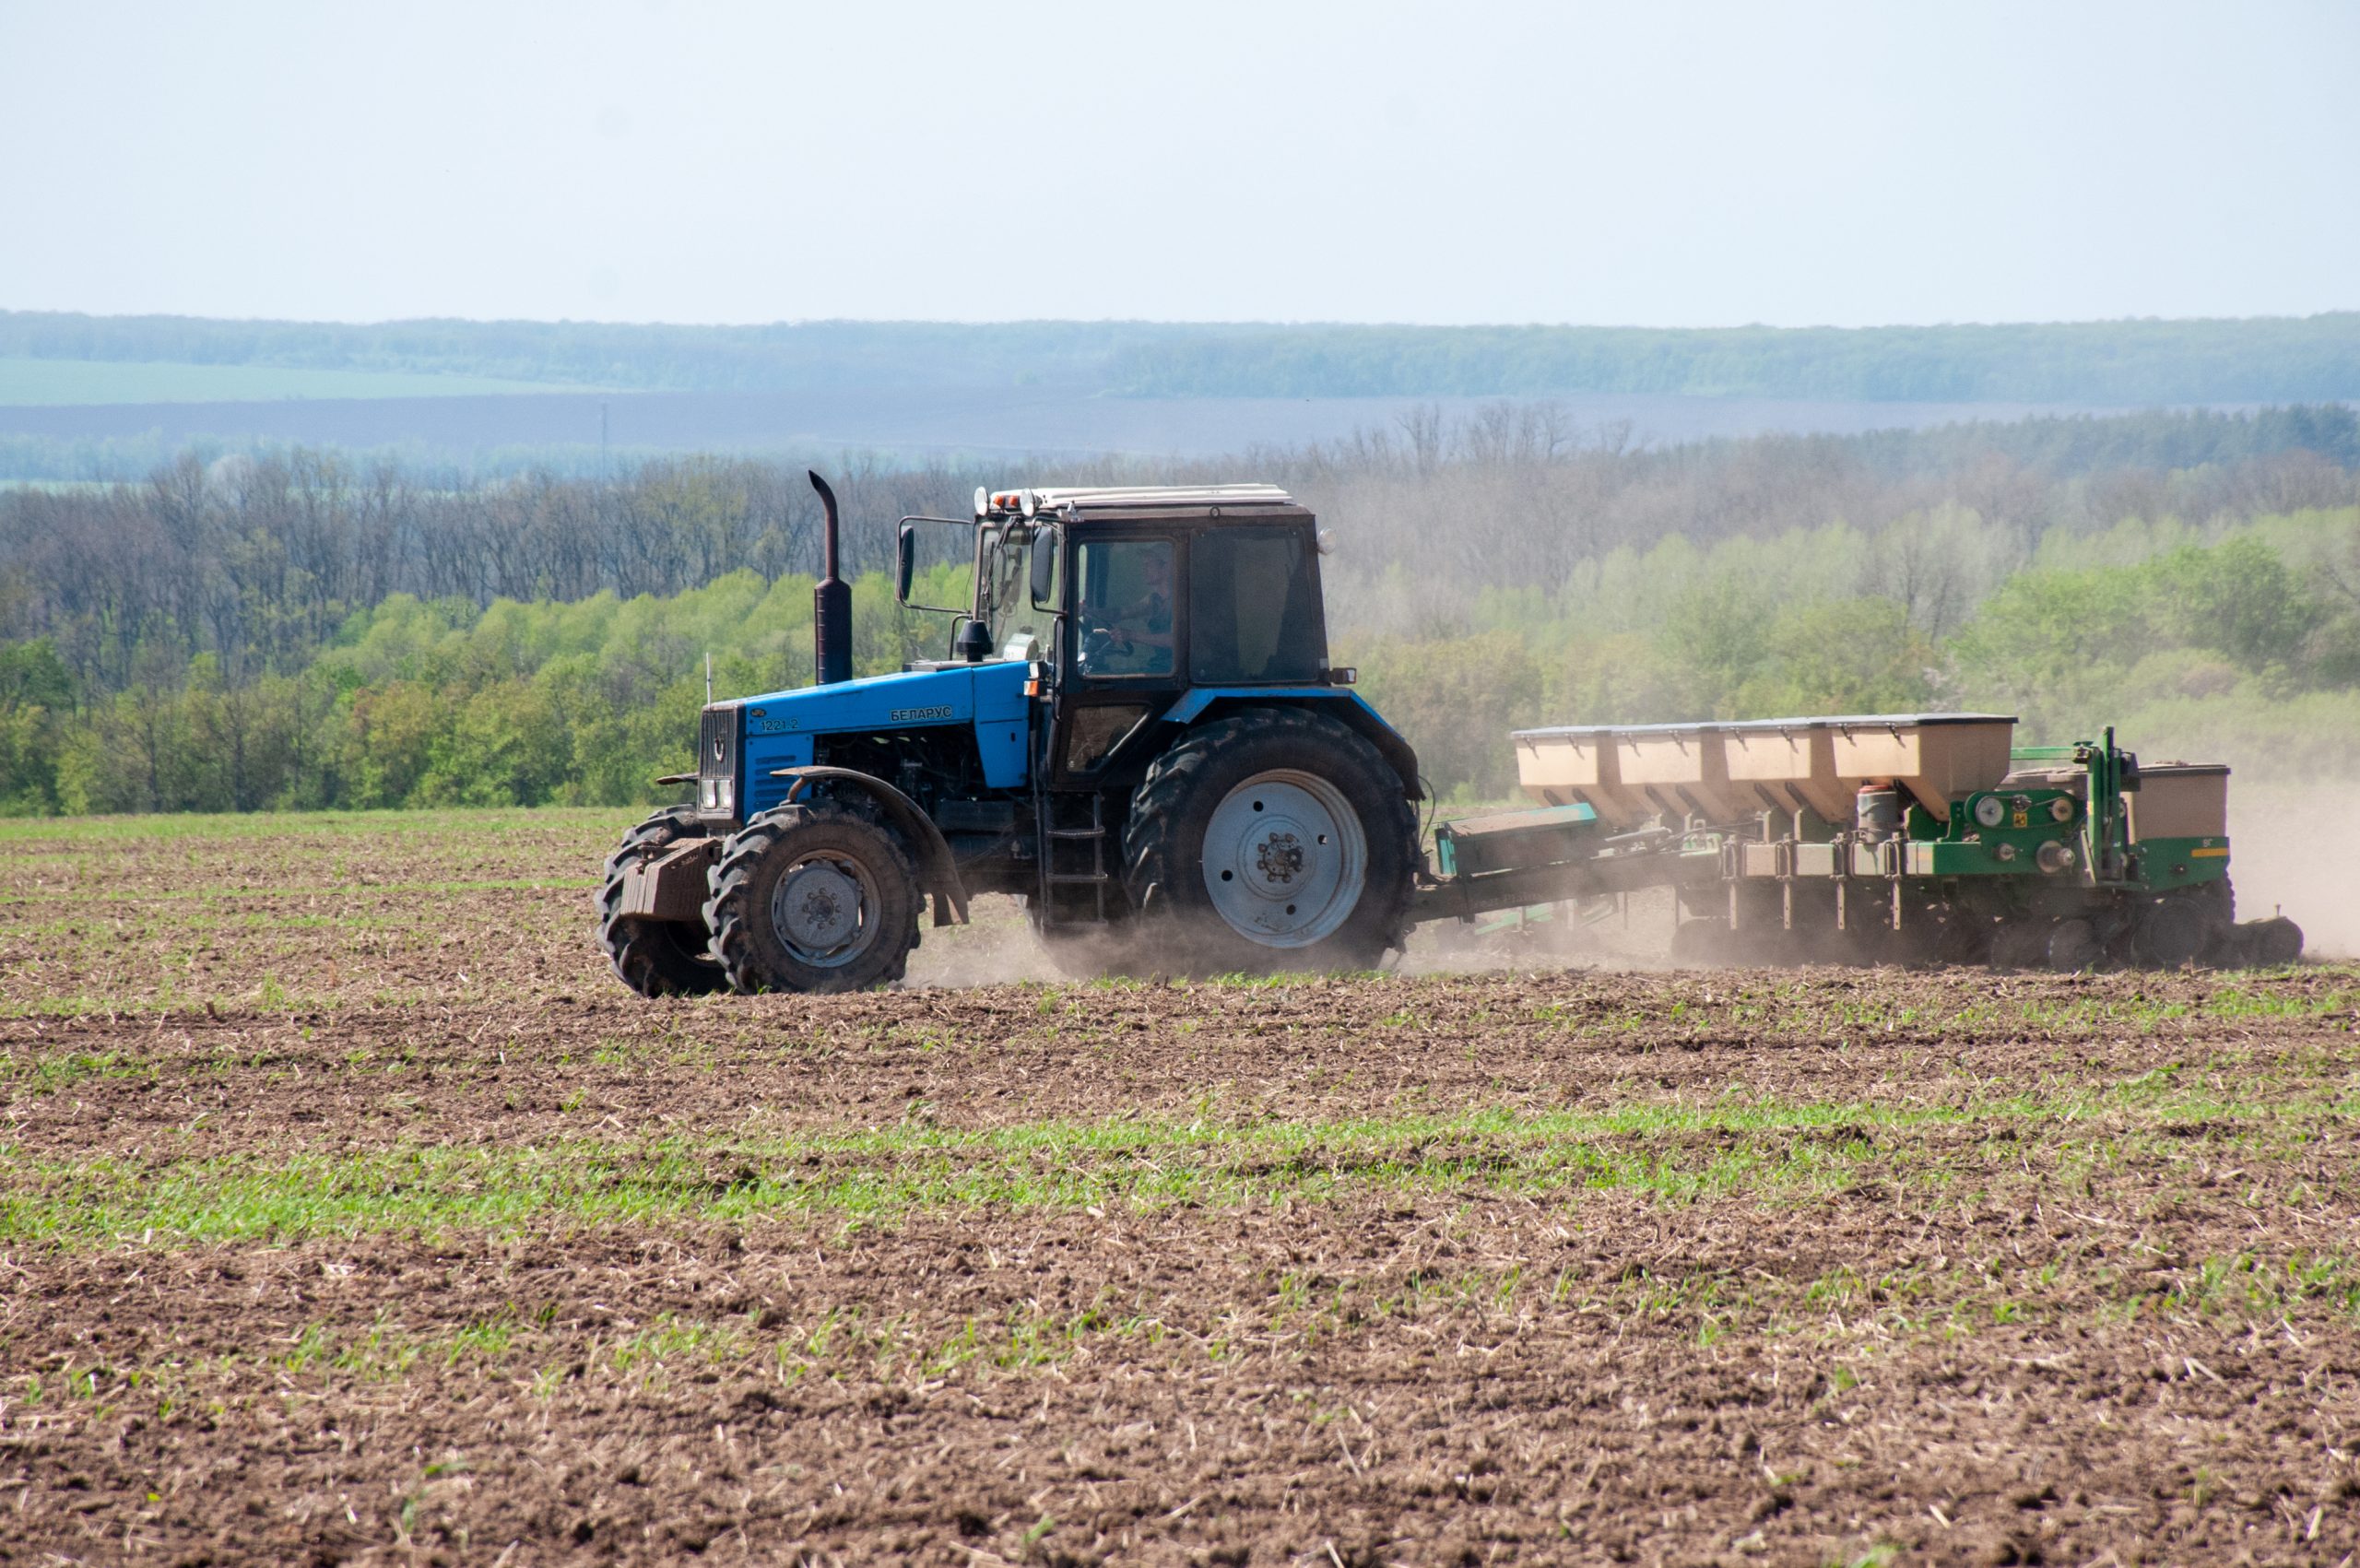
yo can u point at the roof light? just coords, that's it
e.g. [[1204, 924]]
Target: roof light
[[1030, 502], [982, 500]]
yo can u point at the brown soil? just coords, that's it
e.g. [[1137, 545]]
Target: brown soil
[[2097, 1326]]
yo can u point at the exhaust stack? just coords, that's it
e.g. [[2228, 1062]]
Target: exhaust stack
[[830, 605]]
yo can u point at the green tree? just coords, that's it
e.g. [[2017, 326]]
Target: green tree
[[504, 746], [1841, 656], [1456, 701], [2240, 598], [388, 738], [36, 708]]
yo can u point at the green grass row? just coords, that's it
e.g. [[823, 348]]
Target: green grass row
[[492, 824], [1765, 1148]]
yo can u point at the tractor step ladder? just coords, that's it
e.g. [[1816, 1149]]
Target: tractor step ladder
[[1058, 871]]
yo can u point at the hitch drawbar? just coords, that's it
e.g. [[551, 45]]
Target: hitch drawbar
[[1515, 841], [1545, 855]]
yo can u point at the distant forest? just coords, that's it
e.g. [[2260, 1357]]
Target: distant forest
[[302, 630], [2121, 362]]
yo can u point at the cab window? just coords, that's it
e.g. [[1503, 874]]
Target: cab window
[[1124, 622], [1254, 607], [1007, 602]]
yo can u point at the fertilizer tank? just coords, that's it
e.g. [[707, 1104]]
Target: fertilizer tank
[[1720, 771]]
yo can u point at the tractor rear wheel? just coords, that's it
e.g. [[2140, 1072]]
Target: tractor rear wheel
[[655, 957], [814, 899], [1273, 840]]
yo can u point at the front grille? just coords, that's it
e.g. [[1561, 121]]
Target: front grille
[[717, 762]]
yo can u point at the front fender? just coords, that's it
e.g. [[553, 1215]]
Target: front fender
[[937, 868]]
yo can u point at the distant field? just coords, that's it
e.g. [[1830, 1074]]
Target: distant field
[[31, 383], [2315, 358], [1015, 422]]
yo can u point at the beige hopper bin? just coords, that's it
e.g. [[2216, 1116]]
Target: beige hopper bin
[[1936, 757], [2180, 800], [1682, 769], [1790, 764], [1726, 771], [1567, 767]]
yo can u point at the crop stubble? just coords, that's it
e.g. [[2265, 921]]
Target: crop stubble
[[315, 1249]]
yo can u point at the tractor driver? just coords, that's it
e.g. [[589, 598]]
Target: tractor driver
[[1133, 635]]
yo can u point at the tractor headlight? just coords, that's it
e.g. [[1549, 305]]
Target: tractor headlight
[[720, 794]]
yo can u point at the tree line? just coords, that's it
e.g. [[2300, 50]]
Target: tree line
[[2259, 360], [303, 629], [2103, 363]]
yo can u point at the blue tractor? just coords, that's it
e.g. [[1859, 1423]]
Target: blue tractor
[[1137, 732]]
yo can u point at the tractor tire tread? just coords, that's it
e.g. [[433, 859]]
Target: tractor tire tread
[[1151, 857], [729, 885]]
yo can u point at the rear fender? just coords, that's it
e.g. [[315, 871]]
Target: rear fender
[[1350, 709], [937, 870]]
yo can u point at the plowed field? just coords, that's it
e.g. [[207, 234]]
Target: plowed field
[[351, 1213]]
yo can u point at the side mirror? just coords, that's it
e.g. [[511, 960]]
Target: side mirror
[[1045, 568], [905, 559]]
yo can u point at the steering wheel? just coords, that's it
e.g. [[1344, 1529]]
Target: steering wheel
[[1100, 641]]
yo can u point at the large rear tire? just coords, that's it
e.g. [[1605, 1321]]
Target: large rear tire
[[1273, 840], [655, 957], [816, 898]]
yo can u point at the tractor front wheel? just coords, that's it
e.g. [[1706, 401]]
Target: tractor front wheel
[[812, 899]]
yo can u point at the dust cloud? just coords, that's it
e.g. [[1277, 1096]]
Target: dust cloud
[[996, 947], [2292, 851], [2291, 854]]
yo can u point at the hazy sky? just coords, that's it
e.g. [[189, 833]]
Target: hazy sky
[[1345, 159]]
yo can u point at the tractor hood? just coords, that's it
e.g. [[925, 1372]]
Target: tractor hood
[[888, 701], [779, 728]]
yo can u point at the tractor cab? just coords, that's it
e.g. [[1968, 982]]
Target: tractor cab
[[1148, 585], [1129, 600]]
